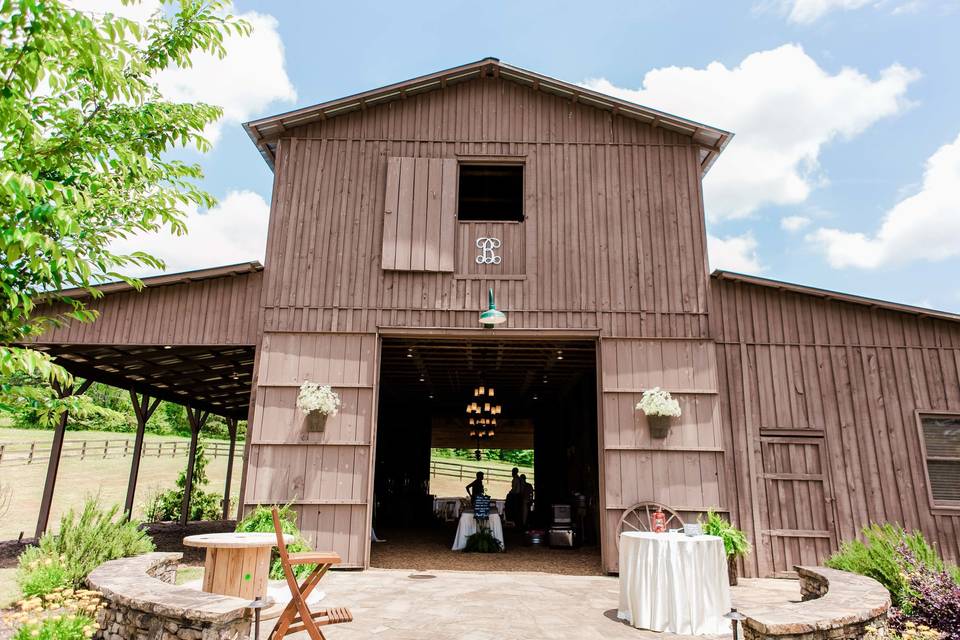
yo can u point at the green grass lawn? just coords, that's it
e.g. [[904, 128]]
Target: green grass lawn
[[452, 486], [106, 478]]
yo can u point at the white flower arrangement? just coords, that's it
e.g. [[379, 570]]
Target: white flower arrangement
[[657, 402], [316, 397]]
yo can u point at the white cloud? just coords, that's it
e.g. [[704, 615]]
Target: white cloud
[[244, 83], [734, 253], [783, 108], [794, 223], [233, 231], [923, 226], [808, 11], [251, 77]]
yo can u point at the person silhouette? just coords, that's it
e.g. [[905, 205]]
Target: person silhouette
[[475, 488]]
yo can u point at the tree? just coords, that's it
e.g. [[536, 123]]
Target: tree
[[85, 138]]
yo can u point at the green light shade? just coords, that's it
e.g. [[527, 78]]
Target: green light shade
[[491, 317]]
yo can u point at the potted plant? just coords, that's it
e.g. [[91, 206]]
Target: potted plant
[[319, 402], [735, 542], [659, 407]]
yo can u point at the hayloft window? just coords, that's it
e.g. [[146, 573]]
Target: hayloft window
[[941, 446], [490, 193]]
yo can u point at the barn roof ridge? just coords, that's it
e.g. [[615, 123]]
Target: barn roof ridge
[[263, 131], [835, 296]]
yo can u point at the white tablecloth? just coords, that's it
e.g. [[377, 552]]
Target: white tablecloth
[[468, 526], [674, 583]]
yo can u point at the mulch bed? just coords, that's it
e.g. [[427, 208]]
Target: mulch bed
[[167, 536], [10, 550]]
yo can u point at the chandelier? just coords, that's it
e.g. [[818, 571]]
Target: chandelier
[[482, 412]]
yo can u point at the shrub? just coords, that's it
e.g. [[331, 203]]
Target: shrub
[[82, 544], [932, 600], [58, 628], [879, 556], [261, 520], [734, 541], [482, 542], [65, 614], [39, 574], [166, 505]]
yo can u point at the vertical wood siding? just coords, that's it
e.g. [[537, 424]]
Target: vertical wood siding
[[613, 234], [512, 251], [327, 476], [685, 469], [846, 381], [214, 311]]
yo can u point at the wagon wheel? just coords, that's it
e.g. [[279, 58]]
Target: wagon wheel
[[639, 517]]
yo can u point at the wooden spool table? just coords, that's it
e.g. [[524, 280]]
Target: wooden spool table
[[237, 564]]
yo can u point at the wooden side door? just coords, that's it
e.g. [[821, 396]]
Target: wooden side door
[[799, 521]]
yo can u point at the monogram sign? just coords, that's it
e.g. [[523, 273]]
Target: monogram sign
[[487, 247]]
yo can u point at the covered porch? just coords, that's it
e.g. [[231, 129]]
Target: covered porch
[[187, 338]]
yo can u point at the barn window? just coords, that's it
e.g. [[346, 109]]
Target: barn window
[[490, 192], [941, 446]]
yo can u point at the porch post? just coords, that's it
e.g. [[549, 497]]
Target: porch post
[[56, 449], [197, 420], [232, 427], [143, 408]]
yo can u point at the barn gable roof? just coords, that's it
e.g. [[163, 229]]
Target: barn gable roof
[[265, 131], [836, 296]]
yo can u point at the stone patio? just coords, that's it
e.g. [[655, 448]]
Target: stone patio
[[392, 604]]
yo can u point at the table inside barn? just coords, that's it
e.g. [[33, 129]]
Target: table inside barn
[[237, 564]]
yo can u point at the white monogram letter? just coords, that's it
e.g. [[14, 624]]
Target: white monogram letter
[[487, 246]]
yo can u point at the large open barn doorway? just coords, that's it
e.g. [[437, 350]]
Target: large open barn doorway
[[543, 419]]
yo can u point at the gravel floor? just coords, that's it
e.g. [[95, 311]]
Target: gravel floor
[[429, 549]]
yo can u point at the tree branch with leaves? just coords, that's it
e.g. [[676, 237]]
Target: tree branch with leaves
[[86, 138]]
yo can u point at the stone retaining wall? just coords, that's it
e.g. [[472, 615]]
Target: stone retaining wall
[[143, 603], [836, 605]]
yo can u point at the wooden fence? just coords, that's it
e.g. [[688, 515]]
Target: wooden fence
[[468, 472], [23, 453]]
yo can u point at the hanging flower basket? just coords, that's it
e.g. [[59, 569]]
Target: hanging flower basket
[[659, 426], [660, 408], [319, 402], [316, 421]]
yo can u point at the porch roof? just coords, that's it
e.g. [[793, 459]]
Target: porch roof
[[186, 337]]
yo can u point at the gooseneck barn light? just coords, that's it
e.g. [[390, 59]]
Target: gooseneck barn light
[[491, 317]]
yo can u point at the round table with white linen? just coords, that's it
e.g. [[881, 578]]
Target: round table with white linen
[[674, 583], [468, 526]]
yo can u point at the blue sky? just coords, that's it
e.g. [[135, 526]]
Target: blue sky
[[845, 172]]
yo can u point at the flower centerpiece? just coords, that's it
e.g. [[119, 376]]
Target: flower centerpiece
[[659, 406], [319, 402]]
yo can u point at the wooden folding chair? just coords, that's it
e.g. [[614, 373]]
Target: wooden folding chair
[[296, 616]]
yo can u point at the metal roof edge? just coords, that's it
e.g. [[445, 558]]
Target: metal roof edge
[[838, 296], [439, 79], [163, 279]]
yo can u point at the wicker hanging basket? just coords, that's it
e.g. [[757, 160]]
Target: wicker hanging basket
[[659, 426], [316, 421]]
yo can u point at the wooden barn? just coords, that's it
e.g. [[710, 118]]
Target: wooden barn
[[806, 414]]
